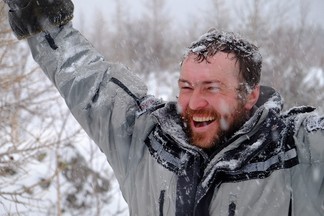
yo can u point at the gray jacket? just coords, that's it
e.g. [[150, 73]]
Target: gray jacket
[[272, 166]]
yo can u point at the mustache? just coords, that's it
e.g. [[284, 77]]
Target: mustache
[[189, 113]]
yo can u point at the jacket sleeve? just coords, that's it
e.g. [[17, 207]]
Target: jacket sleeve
[[103, 97]]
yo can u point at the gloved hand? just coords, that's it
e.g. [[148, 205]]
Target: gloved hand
[[16, 4], [28, 17]]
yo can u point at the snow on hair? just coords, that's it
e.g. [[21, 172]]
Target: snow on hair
[[246, 53]]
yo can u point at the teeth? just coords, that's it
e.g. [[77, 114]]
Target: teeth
[[203, 119]]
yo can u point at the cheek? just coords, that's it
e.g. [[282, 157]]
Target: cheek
[[182, 103], [224, 107]]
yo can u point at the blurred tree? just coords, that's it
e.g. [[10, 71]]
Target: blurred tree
[[217, 15], [290, 46], [143, 42], [100, 34]]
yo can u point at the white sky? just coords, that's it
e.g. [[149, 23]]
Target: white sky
[[180, 9]]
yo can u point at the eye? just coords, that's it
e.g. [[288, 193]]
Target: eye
[[186, 88], [213, 88]]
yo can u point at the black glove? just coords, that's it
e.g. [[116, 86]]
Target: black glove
[[16, 4], [28, 17]]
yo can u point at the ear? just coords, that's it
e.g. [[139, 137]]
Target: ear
[[252, 98]]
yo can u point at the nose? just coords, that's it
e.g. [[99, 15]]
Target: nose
[[197, 100]]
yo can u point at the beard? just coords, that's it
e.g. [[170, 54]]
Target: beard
[[227, 125]]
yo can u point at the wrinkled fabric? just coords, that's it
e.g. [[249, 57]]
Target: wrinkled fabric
[[272, 166]]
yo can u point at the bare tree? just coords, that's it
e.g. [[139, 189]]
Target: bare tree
[[287, 46], [143, 42], [42, 168], [218, 15], [20, 100]]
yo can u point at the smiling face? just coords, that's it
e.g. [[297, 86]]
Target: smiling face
[[209, 100]]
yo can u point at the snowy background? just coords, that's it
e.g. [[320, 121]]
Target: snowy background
[[48, 165]]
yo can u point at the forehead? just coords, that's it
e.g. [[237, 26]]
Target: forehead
[[221, 67]]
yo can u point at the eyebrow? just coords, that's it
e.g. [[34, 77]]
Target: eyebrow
[[183, 81]]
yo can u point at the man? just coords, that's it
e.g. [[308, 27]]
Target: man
[[224, 148]]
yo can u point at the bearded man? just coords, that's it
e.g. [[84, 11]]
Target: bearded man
[[224, 148]]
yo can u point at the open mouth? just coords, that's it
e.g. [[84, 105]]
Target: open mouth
[[202, 121]]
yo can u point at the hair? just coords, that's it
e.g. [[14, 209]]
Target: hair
[[246, 53]]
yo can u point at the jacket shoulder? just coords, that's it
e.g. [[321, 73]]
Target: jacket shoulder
[[308, 127]]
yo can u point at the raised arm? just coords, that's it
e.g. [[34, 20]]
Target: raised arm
[[103, 97]]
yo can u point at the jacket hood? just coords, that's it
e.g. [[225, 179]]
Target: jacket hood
[[270, 98]]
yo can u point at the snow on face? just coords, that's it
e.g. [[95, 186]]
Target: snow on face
[[224, 124], [225, 110]]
